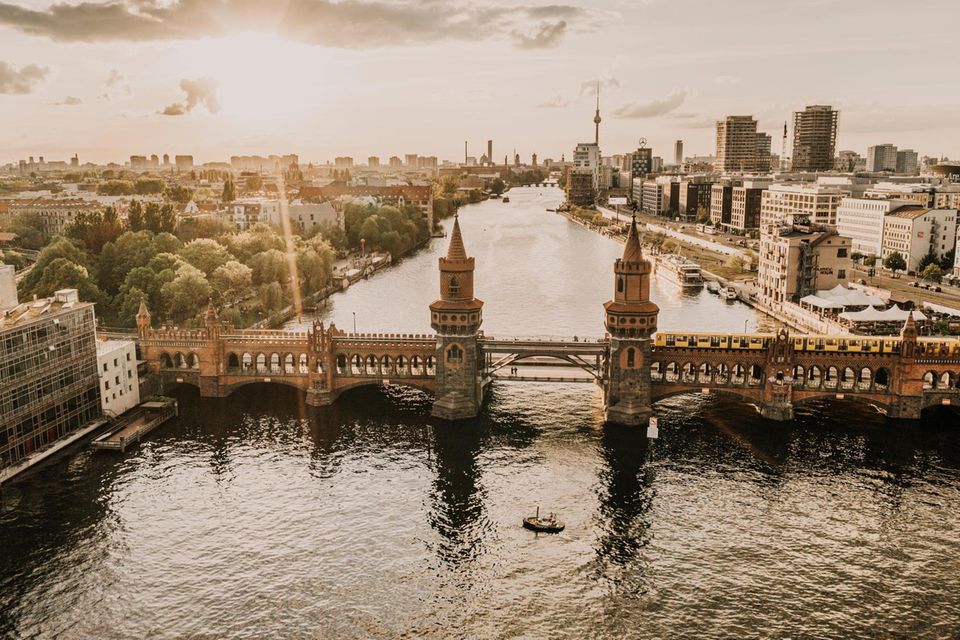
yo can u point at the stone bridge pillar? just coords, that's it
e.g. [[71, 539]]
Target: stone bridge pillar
[[907, 376], [778, 379], [321, 383], [631, 318], [456, 318]]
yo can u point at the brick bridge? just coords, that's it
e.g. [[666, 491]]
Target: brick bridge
[[634, 363]]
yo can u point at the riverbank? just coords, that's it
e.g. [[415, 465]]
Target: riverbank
[[711, 268]]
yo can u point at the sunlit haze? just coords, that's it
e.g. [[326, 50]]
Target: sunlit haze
[[321, 79]]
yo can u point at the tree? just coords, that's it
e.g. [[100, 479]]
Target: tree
[[932, 272], [271, 297], [128, 304], [93, 229], [948, 260], [269, 266], [62, 273], [30, 231], [856, 256], [205, 254], [332, 233], [180, 194], [895, 262], [148, 186], [497, 186], [186, 294], [870, 260], [192, 228], [229, 192], [116, 188], [929, 258], [135, 216], [232, 278], [315, 264], [254, 183], [60, 248]]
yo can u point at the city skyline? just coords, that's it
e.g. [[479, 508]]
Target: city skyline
[[379, 78]]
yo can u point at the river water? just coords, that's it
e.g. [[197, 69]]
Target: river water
[[258, 517]]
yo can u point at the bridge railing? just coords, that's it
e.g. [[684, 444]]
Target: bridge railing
[[546, 338]]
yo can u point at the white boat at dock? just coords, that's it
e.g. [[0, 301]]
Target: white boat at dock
[[684, 272]]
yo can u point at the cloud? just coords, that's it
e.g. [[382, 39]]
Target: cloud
[[175, 109], [556, 102], [22, 81], [200, 91], [69, 101], [115, 86], [351, 24], [548, 35], [589, 87], [653, 108]]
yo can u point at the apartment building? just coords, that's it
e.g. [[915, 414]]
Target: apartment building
[[814, 138], [913, 232], [721, 196], [55, 214], [119, 381], [694, 198], [736, 144], [784, 204], [882, 157], [862, 220], [796, 262], [745, 204]]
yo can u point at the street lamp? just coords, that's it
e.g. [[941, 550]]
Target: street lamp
[[745, 325], [354, 321]]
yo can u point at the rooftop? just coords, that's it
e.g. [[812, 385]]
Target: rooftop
[[63, 302], [910, 213]]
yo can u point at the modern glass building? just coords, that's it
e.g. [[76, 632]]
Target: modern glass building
[[49, 387]]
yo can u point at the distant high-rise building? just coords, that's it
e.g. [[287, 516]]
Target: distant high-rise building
[[136, 162], [410, 159], [373, 161], [395, 162], [678, 152], [907, 163], [764, 141], [814, 138], [641, 162], [183, 162], [343, 162], [154, 161], [75, 161], [490, 151], [166, 159], [882, 157], [736, 144]]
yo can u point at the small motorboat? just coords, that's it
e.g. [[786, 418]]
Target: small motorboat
[[547, 524], [713, 286], [730, 293], [506, 198]]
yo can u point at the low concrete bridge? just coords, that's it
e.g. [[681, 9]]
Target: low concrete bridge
[[634, 363]]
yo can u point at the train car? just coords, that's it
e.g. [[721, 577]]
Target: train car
[[712, 341]]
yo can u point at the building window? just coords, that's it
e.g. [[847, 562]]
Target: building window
[[842, 274], [842, 252], [620, 285], [454, 354], [454, 285], [630, 358]]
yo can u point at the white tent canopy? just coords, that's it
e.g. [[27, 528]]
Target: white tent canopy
[[870, 314], [840, 298]]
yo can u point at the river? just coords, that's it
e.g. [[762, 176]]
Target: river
[[258, 517]]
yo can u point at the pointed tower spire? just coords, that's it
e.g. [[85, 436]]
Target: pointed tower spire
[[456, 251], [143, 318], [633, 252], [211, 313]]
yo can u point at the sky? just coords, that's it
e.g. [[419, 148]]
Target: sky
[[324, 78]]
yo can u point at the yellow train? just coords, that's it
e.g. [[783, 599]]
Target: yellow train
[[947, 347]]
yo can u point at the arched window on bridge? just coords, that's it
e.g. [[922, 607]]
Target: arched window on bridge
[[401, 365], [289, 367], [881, 380], [703, 373], [356, 365], [722, 375], [385, 365], [814, 377], [193, 362], [233, 362], [929, 380], [275, 363], [341, 363], [656, 371], [946, 380], [832, 378], [847, 378], [261, 363], [620, 284], [756, 374], [247, 361], [631, 358], [865, 381], [166, 362], [305, 364], [454, 354], [454, 285], [430, 364]]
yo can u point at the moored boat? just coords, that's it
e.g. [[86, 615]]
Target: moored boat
[[684, 272], [713, 286], [730, 293]]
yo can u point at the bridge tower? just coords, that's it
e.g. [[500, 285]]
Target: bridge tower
[[631, 318], [456, 318]]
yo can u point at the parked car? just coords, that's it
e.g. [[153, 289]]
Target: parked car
[[861, 281], [913, 283]]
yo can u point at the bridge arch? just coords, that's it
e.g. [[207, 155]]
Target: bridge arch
[[832, 397], [741, 393], [286, 382], [166, 362], [420, 385]]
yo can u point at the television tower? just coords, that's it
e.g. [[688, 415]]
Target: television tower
[[783, 149], [596, 118]]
